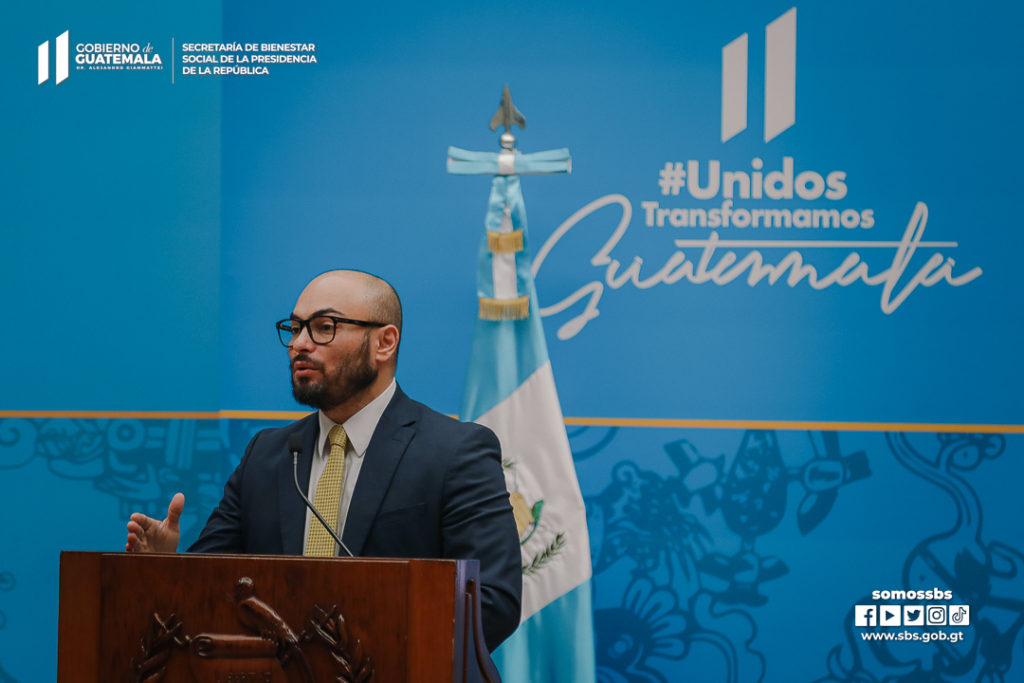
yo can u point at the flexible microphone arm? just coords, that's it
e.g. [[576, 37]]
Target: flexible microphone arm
[[295, 446]]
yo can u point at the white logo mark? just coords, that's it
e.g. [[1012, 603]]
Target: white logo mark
[[779, 79], [60, 63]]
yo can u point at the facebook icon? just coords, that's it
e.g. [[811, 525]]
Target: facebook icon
[[865, 615]]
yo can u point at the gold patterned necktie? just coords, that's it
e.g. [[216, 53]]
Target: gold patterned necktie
[[328, 496]]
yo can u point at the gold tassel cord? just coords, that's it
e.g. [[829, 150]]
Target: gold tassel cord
[[504, 309], [505, 242]]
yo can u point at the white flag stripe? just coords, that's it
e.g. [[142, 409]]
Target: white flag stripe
[[530, 427], [503, 268], [780, 75], [503, 265]]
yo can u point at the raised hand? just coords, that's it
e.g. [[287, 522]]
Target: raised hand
[[147, 535]]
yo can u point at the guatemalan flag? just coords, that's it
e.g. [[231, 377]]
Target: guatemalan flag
[[510, 388]]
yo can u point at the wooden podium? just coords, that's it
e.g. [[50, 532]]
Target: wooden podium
[[268, 619]]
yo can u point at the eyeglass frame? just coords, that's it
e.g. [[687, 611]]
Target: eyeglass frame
[[305, 325]]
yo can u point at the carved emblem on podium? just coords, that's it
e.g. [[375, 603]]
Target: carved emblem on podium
[[272, 653]]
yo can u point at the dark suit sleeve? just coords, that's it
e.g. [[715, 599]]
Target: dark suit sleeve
[[223, 532], [477, 523]]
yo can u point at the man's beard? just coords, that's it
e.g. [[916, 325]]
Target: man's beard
[[338, 386]]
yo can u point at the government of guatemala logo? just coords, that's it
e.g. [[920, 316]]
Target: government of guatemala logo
[[95, 56], [779, 79], [61, 60]]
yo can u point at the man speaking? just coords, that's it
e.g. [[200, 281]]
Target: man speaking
[[397, 478]]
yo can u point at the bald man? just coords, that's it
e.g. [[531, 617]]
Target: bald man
[[416, 483]]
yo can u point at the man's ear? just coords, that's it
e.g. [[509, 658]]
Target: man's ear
[[387, 343]]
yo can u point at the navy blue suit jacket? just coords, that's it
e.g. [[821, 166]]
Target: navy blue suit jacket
[[429, 486]]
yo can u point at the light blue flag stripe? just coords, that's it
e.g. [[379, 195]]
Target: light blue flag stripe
[[566, 630], [505, 352]]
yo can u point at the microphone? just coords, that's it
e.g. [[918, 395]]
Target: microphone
[[295, 446]]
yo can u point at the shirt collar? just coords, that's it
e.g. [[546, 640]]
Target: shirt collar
[[359, 427]]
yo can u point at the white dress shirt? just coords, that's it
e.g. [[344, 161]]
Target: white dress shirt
[[359, 428]]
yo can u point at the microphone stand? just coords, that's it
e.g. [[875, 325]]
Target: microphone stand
[[295, 446]]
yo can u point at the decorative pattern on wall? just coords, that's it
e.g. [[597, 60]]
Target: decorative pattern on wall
[[985, 574], [681, 552], [700, 540], [142, 463], [686, 586], [7, 583]]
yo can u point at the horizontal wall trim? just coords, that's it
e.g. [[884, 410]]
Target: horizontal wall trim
[[115, 414], [796, 425], [571, 421]]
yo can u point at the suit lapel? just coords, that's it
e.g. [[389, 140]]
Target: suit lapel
[[390, 439], [292, 509]]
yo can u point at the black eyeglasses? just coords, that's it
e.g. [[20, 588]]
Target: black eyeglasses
[[321, 328]]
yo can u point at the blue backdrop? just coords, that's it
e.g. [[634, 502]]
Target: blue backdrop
[[756, 458]]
